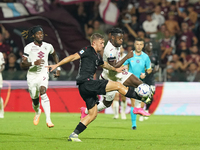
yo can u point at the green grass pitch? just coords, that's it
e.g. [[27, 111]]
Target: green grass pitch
[[17, 132]]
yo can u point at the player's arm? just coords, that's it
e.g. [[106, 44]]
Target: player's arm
[[56, 59], [120, 63], [65, 61], [25, 64], [2, 68], [107, 66]]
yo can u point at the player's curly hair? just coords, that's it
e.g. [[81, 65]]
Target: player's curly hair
[[115, 31], [31, 31]]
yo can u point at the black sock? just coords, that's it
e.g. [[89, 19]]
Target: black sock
[[80, 128], [132, 94], [35, 101], [148, 105]]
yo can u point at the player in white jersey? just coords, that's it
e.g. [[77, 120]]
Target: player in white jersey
[[112, 56], [2, 62], [35, 58]]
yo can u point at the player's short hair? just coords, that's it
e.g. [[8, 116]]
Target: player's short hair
[[139, 39], [115, 31], [96, 36], [31, 31]]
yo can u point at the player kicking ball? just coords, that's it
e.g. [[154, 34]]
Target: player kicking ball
[[89, 88], [35, 58]]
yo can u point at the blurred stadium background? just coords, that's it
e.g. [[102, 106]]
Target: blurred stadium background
[[69, 25]]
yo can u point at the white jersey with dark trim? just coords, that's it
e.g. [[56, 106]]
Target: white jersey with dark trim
[[34, 52], [111, 53]]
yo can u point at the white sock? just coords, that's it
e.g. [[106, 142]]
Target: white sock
[[46, 106], [36, 108], [100, 107], [116, 108], [123, 106], [1, 106], [137, 103]]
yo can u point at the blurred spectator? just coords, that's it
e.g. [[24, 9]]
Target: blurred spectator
[[192, 14], [4, 48], [172, 9], [167, 45], [179, 65], [145, 7], [183, 48], [172, 25], [96, 25], [181, 5], [81, 16], [197, 8], [134, 23], [12, 65], [161, 33], [157, 16], [150, 26], [194, 55], [193, 74], [187, 36], [89, 31], [185, 16], [164, 5]]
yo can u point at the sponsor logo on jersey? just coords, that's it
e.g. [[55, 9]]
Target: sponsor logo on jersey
[[137, 61], [82, 51], [40, 54], [111, 49]]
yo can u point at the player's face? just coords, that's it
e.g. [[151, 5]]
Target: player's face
[[99, 44], [118, 40], [139, 46], [39, 36]]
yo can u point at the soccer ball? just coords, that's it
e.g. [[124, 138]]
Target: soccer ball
[[143, 90]]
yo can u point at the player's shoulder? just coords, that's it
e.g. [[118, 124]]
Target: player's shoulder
[[109, 46], [29, 45], [46, 44]]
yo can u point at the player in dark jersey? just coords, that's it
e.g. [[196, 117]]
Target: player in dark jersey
[[89, 88], [150, 78]]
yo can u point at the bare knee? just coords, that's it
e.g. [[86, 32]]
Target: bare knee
[[42, 90]]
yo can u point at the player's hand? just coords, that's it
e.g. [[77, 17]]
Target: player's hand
[[57, 74], [142, 75], [52, 67], [121, 69], [130, 54], [39, 62]]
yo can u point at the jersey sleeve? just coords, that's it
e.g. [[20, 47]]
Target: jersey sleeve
[[2, 61], [26, 52], [110, 54], [101, 62], [148, 63], [83, 53], [51, 49]]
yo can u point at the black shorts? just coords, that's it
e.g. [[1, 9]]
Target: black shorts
[[90, 89]]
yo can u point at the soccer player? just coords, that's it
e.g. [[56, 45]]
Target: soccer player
[[2, 62], [112, 55], [89, 88], [150, 78], [137, 66], [35, 58]]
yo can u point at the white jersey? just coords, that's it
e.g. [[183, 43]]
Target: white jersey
[[34, 52], [111, 53], [2, 61]]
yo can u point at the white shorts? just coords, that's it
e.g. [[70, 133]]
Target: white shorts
[[121, 77], [1, 81], [35, 82]]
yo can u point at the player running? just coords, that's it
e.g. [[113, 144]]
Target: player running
[[35, 58]]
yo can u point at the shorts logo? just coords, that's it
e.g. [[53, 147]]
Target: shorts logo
[[82, 51], [44, 78], [138, 61]]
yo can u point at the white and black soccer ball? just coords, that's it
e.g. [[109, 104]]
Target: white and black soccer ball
[[143, 90]]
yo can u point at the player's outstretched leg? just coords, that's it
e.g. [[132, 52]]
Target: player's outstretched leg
[[36, 107]]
